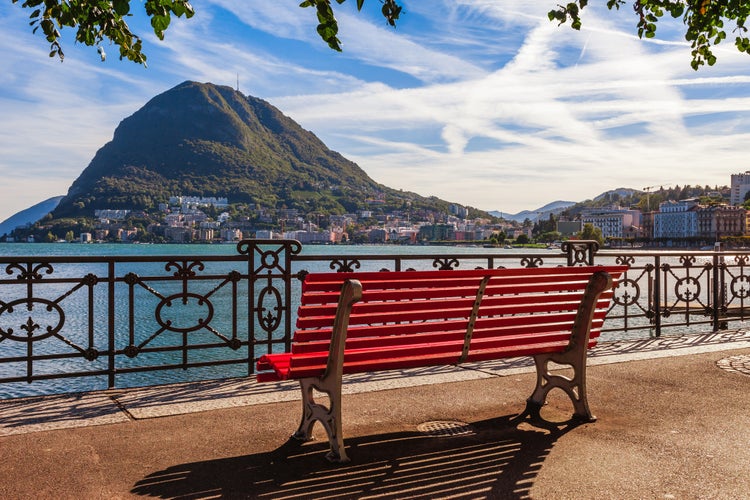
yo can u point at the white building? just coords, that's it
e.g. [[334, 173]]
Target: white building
[[614, 222], [676, 219], [740, 187], [311, 236]]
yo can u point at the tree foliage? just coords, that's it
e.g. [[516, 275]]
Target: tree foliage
[[591, 232], [704, 21], [98, 20]]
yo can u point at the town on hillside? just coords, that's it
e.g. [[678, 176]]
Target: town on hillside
[[679, 216]]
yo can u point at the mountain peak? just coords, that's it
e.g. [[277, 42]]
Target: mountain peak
[[207, 140], [201, 139]]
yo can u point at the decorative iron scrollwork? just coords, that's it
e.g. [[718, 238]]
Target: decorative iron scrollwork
[[687, 260], [741, 259], [626, 293], [580, 252], [532, 262], [445, 263], [132, 351], [269, 258], [184, 270], [30, 324], [625, 260], [344, 265], [687, 289], [29, 273], [191, 302], [740, 286], [269, 308]]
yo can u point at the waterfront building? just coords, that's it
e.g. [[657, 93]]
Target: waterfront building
[[307, 237], [178, 234], [676, 219], [614, 222], [739, 188], [647, 225], [437, 232], [721, 220], [377, 235], [206, 234], [569, 228], [260, 234]]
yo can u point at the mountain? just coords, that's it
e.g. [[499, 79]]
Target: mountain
[[540, 213], [624, 196], [212, 141], [30, 215]]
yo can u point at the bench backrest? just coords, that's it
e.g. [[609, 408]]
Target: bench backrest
[[422, 318]]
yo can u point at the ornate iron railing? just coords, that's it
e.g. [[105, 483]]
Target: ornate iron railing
[[115, 321]]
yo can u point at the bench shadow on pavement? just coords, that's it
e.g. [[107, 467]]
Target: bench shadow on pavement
[[495, 460]]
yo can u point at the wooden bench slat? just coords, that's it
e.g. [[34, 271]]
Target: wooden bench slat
[[414, 313], [372, 304], [503, 335], [379, 290], [408, 279], [455, 327]]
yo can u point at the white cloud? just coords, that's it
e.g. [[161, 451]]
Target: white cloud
[[481, 102]]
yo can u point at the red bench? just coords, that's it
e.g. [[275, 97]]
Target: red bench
[[374, 321]]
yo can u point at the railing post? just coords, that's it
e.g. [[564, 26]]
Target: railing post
[[718, 286], [111, 347], [657, 295], [580, 252], [268, 260]]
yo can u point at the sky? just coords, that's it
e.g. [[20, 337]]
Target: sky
[[484, 103]]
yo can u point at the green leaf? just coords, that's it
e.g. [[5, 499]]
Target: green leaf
[[160, 23], [122, 7]]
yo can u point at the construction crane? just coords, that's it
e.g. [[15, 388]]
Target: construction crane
[[648, 189]]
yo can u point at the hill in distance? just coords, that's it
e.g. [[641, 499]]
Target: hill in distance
[[543, 212], [212, 141], [29, 215]]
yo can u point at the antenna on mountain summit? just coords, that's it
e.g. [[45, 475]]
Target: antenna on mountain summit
[[238, 82]]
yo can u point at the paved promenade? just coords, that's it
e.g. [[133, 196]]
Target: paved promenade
[[674, 423]]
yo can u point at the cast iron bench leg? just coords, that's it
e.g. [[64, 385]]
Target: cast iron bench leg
[[330, 382], [329, 417], [574, 356]]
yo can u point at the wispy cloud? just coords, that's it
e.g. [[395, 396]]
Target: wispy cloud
[[480, 102]]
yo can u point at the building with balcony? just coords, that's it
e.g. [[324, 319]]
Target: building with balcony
[[676, 219], [717, 221]]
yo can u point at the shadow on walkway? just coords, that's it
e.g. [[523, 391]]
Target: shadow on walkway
[[493, 460]]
